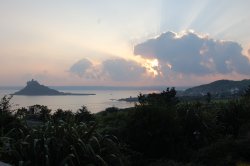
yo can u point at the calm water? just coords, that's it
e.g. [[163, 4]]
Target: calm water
[[103, 99]]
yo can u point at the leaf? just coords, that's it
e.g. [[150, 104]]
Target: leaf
[[8, 133], [27, 137], [72, 148], [101, 161], [82, 145], [67, 159], [47, 160], [95, 142]]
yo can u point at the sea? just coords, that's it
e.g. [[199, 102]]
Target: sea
[[104, 98]]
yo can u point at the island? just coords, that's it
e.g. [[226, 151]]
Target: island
[[34, 88]]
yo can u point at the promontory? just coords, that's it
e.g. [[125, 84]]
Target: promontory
[[34, 88]]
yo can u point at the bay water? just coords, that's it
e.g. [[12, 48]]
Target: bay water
[[95, 103]]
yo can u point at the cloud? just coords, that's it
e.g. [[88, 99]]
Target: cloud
[[80, 68], [190, 53], [123, 70], [116, 69]]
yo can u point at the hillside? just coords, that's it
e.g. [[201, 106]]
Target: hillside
[[220, 87]]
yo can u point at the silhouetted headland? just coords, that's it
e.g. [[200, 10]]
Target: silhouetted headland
[[33, 88], [129, 99], [219, 88]]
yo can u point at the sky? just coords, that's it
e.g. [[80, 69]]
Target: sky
[[124, 42]]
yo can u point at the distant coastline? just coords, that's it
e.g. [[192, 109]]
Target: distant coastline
[[33, 88], [65, 88], [61, 94]]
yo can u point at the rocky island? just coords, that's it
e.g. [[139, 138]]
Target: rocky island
[[33, 88]]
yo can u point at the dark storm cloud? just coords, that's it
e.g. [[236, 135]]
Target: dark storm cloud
[[123, 70], [80, 68], [191, 53]]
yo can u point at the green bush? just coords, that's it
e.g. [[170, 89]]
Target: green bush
[[60, 144]]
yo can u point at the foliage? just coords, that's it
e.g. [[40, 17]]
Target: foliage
[[61, 144], [224, 152], [40, 112], [84, 115], [5, 105], [61, 115], [165, 97], [246, 93], [159, 130], [61, 139], [208, 97], [7, 119]]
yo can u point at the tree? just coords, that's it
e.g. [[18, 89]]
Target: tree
[[61, 115], [5, 105], [21, 113], [84, 115], [247, 92], [7, 119], [40, 112], [208, 97], [166, 97]]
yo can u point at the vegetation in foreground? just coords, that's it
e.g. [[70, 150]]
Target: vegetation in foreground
[[159, 130]]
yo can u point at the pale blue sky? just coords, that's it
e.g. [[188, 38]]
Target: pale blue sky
[[44, 39]]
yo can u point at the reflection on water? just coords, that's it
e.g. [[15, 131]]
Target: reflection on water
[[103, 99]]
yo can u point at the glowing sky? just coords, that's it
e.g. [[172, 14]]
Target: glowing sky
[[108, 42]]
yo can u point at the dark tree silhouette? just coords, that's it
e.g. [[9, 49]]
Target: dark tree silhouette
[[84, 115]]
